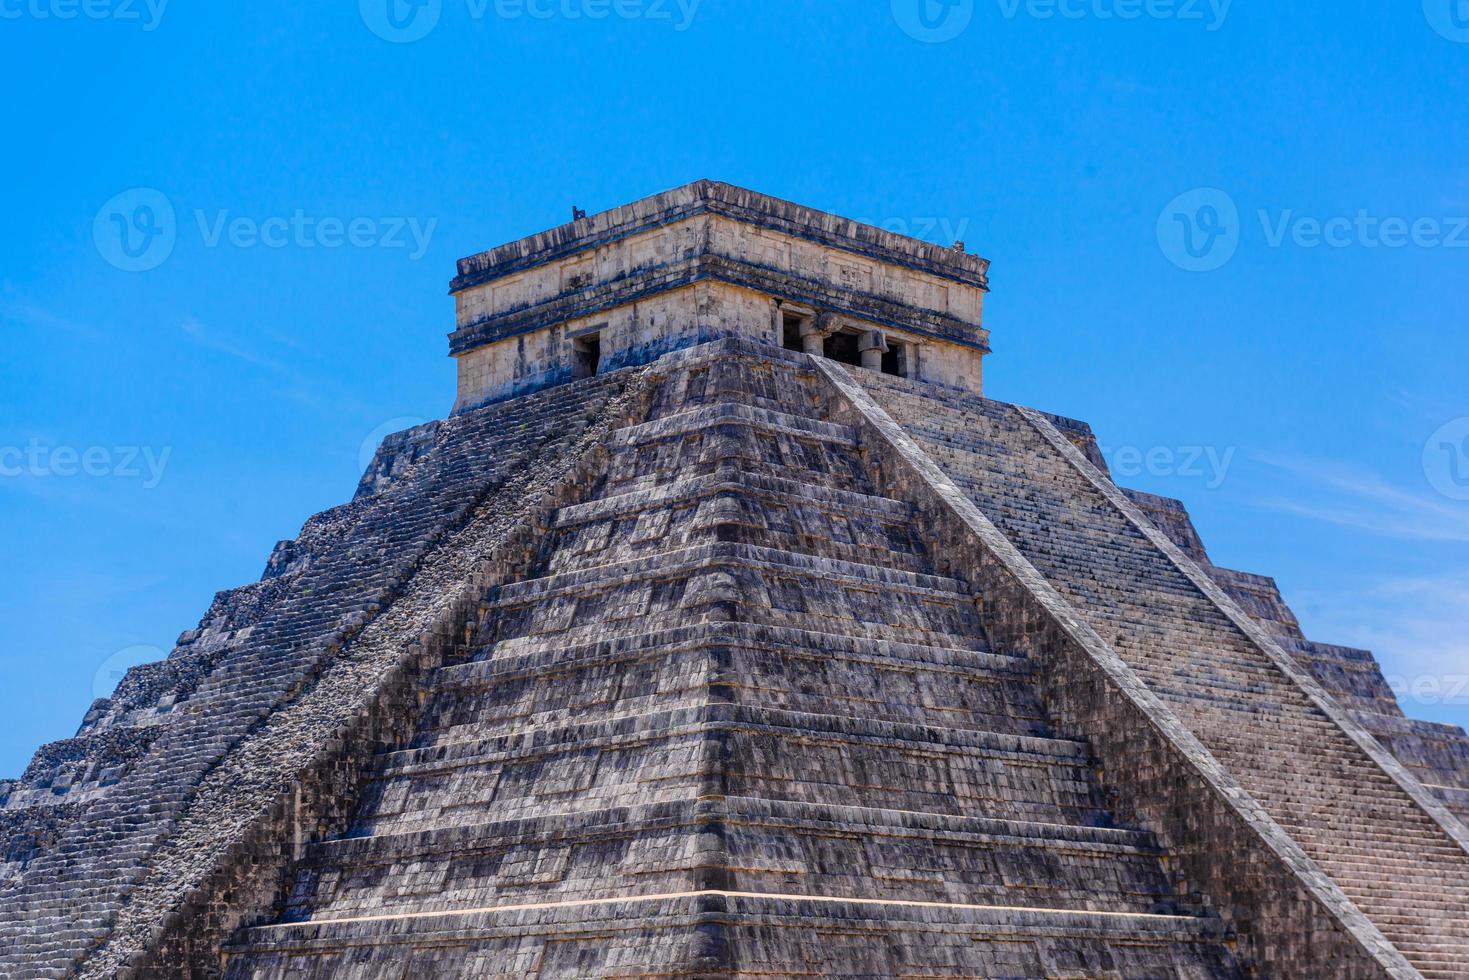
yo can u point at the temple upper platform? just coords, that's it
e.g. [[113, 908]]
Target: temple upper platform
[[708, 261]]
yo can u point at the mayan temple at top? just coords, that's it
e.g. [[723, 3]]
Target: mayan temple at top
[[726, 629]]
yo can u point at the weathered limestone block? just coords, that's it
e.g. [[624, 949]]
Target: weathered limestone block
[[703, 262], [733, 669], [186, 840], [743, 664], [1347, 808], [1437, 755]]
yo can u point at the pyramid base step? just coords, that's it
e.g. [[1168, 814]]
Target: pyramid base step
[[720, 934]]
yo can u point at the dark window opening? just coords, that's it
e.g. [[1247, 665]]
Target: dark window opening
[[892, 361], [586, 356], [843, 347], [792, 333]]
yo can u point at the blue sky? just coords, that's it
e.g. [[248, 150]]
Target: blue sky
[[1230, 235]]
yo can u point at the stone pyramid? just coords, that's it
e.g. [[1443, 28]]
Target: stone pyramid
[[726, 630]]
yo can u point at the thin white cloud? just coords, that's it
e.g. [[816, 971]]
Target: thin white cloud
[[210, 340], [290, 380], [1418, 626], [30, 316], [1337, 493]]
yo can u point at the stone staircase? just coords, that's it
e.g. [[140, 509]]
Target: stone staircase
[[736, 721], [1437, 754], [1399, 865], [132, 782]]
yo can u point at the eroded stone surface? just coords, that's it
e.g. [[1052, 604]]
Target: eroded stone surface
[[1355, 815], [727, 661], [736, 672]]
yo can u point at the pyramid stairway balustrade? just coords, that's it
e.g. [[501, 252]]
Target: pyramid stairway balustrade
[[735, 678]]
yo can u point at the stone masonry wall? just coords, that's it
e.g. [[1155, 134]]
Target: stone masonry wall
[[212, 786], [1292, 920], [1437, 754], [641, 277], [1362, 818], [189, 840], [733, 677]]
